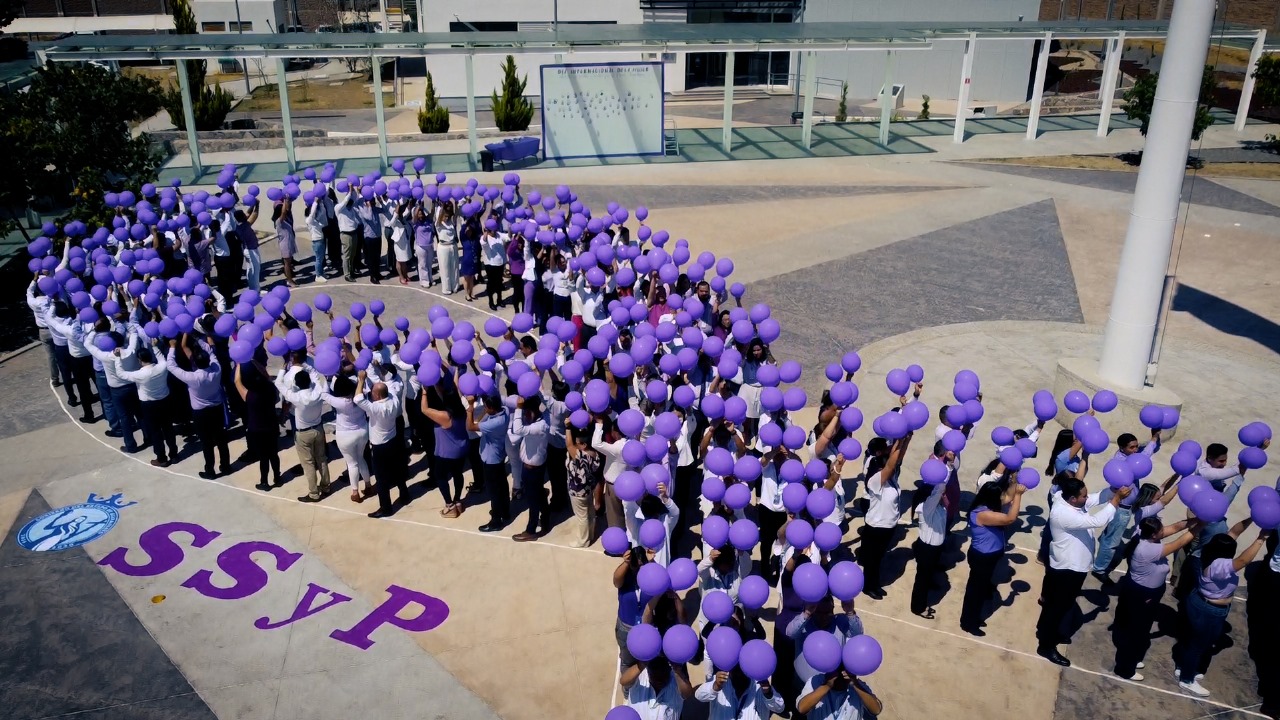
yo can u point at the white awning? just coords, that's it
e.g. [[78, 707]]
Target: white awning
[[59, 25]]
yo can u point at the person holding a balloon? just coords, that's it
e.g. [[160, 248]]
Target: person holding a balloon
[[990, 519], [656, 689], [838, 695], [883, 511], [1137, 458]]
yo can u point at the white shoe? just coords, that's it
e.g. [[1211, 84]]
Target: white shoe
[[1137, 677], [424, 285], [1195, 688], [1177, 675], [321, 278], [1141, 665]]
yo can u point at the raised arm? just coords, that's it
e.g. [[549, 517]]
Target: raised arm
[[1244, 558]]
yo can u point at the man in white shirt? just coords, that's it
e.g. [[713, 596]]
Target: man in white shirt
[[529, 429], [349, 229], [734, 696], [390, 460], [114, 352], [655, 689], [838, 696], [38, 302], [303, 388], [152, 381], [1071, 526]]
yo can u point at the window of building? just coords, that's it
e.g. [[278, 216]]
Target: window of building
[[484, 26], [213, 27], [246, 26]]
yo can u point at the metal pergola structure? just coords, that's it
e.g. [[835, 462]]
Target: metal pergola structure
[[570, 40]]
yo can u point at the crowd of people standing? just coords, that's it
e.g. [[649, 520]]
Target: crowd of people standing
[[635, 395]]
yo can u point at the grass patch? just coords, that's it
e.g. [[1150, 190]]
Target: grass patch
[[316, 95]]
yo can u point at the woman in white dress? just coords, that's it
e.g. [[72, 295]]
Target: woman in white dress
[[447, 246], [351, 430]]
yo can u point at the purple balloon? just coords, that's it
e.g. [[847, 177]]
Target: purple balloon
[[753, 592], [758, 660], [1253, 458], [1266, 514], [679, 645], [1117, 473], [683, 572], [717, 606], [743, 534], [810, 583], [644, 641], [862, 655], [794, 498], [821, 649], [1104, 401], [614, 541], [821, 502], [954, 440], [1209, 505], [846, 580], [653, 579], [1191, 486], [715, 531], [723, 647], [1076, 401]]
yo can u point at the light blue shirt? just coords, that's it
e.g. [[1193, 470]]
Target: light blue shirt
[[493, 438]]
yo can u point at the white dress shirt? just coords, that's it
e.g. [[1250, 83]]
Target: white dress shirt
[[152, 380], [308, 404], [882, 512], [382, 415], [664, 704], [846, 705], [347, 416], [728, 705], [933, 517], [1071, 529]]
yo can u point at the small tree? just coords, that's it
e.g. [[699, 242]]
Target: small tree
[[1267, 81], [433, 117], [1139, 99], [210, 105], [511, 111], [842, 110], [924, 108]]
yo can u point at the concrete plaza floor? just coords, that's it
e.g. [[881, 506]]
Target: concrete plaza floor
[[932, 258]]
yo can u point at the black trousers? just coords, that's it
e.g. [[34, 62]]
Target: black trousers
[[1131, 630], [211, 428], [927, 560], [448, 471], [333, 246], [534, 481], [558, 477], [230, 270], [82, 375], [517, 296], [157, 427], [978, 589], [495, 484], [493, 285], [770, 523], [561, 307], [265, 447], [871, 552], [62, 360], [373, 257], [1264, 635], [390, 469], [1059, 592]]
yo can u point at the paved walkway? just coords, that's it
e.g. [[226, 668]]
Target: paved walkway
[[907, 257]]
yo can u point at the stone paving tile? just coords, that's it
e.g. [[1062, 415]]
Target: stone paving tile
[[1202, 192], [1007, 266], [677, 196]]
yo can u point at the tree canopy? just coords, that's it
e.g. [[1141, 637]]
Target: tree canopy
[[68, 136]]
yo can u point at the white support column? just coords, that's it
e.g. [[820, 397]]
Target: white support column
[[386, 23], [1110, 78], [282, 84], [378, 110], [189, 117], [727, 134], [1142, 273], [471, 108], [1246, 93], [886, 99], [810, 88], [966, 79], [1037, 88]]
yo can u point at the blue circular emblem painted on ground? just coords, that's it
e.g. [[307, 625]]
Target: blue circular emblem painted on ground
[[68, 527]]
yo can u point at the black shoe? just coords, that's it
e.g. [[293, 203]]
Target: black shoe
[[160, 462], [1053, 656], [278, 482], [974, 631], [380, 513], [207, 474], [87, 419], [874, 593], [490, 527], [173, 452], [1102, 577], [73, 402], [112, 434], [224, 470], [264, 487], [308, 499], [56, 383], [126, 450]]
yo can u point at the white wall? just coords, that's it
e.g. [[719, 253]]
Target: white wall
[[1001, 68], [266, 15]]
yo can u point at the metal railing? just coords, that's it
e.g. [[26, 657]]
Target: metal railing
[[792, 81], [669, 134]]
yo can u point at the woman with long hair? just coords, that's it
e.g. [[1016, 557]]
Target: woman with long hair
[[994, 511], [444, 408], [515, 261], [470, 261], [262, 428], [1209, 604], [1143, 586], [282, 218]]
